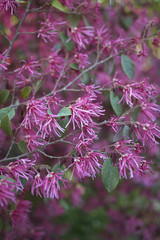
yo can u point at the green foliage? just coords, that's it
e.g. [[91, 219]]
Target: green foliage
[[68, 44], [57, 4], [74, 19], [126, 131], [7, 111], [4, 96], [25, 92], [22, 146], [110, 175], [59, 167], [117, 107], [86, 21], [6, 114], [9, 179], [64, 112], [6, 125], [86, 78], [74, 66], [63, 122], [128, 66]]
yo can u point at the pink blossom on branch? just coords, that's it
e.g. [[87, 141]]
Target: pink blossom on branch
[[81, 36], [147, 132], [7, 192], [21, 169], [30, 67], [8, 5]]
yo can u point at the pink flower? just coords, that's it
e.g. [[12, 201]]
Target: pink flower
[[51, 184], [89, 165], [81, 36], [81, 59], [21, 169], [83, 111], [91, 90], [23, 81], [56, 62], [144, 167], [30, 67], [8, 5], [102, 35], [47, 33], [53, 101], [116, 81], [129, 162], [36, 109], [113, 122], [150, 110], [156, 42], [88, 131], [49, 126], [147, 132], [131, 92], [7, 192], [37, 185], [32, 140], [124, 146], [19, 216]]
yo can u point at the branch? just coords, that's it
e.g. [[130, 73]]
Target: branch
[[86, 70], [18, 29]]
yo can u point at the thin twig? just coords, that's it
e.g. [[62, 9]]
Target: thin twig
[[18, 29], [86, 70]]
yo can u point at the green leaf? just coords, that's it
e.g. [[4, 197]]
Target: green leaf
[[7, 178], [86, 21], [7, 111], [20, 1], [25, 92], [73, 152], [63, 122], [126, 131], [110, 175], [117, 107], [86, 78], [49, 112], [59, 6], [11, 180], [68, 44], [126, 22], [6, 125], [58, 166], [58, 46], [74, 66], [4, 96], [74, 19], [134, 114], [22, 146], [128, 66], [64, 112]]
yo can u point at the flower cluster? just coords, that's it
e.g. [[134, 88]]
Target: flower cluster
[[79, 83]]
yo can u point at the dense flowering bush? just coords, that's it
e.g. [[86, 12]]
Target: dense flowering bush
[[79, 99]]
